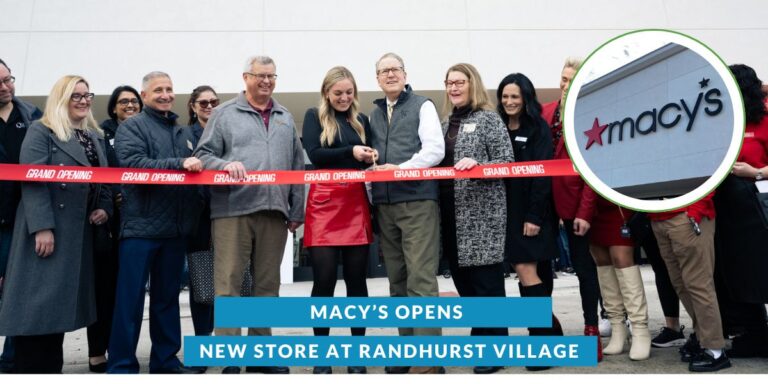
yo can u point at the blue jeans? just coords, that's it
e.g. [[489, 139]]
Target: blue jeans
[[161, 260]]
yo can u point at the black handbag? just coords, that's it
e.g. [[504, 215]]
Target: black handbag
[[201, 277], [639, 226]]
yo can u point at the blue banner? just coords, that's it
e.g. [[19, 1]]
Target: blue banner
[[421, 312], [565, 351]]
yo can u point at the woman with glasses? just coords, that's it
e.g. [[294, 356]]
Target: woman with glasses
[[202, 101], [338, 219], [473, 212], [531, 224], [50, 280], [123, 103]]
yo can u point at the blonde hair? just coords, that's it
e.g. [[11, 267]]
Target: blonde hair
[[327, 114], [572, 62], [56, 113], [478, 95]]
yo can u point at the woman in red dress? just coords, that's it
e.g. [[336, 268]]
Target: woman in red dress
[[338, 219], [621, 284]]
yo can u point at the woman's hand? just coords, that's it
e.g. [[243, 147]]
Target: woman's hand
[[44, 242], [743, 169], [530, 229], [98, 217], [465, 164], [363, 153]]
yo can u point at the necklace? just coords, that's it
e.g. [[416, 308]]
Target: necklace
[[448, 135]]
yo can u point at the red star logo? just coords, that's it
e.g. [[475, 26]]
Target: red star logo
[[595, 134]]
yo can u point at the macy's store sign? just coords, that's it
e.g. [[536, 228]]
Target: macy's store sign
[[677, 113]]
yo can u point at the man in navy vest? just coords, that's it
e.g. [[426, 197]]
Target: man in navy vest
[[406, 133]]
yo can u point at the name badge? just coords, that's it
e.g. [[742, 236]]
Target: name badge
[[189, 145], [469, 128], [749, 135], [521, 139]]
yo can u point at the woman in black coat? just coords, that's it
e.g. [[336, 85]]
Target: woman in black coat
[[530, 220]]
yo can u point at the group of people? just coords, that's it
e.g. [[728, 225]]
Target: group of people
[[120, 237]]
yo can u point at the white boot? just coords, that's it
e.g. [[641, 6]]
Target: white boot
[[614, 309], [631, 283]]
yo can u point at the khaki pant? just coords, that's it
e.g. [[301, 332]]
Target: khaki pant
[[690, 260], [258, 238], [410, 241]]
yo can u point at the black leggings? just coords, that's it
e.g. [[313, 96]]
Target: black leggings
[[586, 272], [355, 271]]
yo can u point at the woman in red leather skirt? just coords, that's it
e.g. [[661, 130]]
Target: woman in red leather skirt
[[621, 284], [338, 220]]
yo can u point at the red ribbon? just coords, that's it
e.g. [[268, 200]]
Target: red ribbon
[[59, 174]]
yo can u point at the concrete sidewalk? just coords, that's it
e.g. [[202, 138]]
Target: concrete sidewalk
[[566, 304]]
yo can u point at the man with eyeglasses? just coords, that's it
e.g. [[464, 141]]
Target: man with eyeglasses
[[155, 222], [15, 117], [406, 133], [251, 223]]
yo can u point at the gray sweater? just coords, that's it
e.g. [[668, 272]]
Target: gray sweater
[[236, 132]]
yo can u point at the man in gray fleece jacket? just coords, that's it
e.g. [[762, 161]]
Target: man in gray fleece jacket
[[251, 223]]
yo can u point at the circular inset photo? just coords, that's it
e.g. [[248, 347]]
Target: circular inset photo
[[653, 120]]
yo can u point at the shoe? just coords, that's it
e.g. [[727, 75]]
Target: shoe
[[748, 345], [357, 370], [536, 368], [690, 349], [668, 337], [605, 327], [704, 362], [554, 275], [6, 366], [591, 330], [569, 271], [633, 293], [427, 370], [269, 370], [322, 371], [447, 274], [507, 275], [198, 369], [176, 371], [614, 309], [396, 370], [231, 371], [97, 368], [486, 370]]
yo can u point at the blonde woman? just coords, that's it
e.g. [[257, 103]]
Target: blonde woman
[[50, 280], [338, 220], [473, 213]]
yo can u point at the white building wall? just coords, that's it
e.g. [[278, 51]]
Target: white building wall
[[111, 42]]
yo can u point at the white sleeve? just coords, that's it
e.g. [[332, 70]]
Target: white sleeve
[[431, 136]]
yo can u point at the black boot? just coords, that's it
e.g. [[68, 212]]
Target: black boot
[[539, 290]]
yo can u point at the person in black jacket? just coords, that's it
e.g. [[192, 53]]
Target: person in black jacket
[[531, 224], [338, 220], [123, 103], [155, 222], [15, 117]]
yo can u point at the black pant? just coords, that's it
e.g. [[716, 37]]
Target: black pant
[[670, 303], [39, 353], [355, 270], [586, 272], [480, 281], [105, 270]]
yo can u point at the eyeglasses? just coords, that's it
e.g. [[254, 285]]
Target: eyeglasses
[[8, 81], [213, 103], [79, 96], [125, 102], [395, 71], [263, 76], [457, 83]]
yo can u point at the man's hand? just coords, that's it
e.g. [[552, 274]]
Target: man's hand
[[98, 217], [580, 227], [293, 225], [236, 170], [465, 164], [44, 242], [386, 167], [193, 164]]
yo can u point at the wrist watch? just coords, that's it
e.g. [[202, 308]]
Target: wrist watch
[[759, 175]]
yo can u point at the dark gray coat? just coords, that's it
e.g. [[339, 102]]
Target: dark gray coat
[[53, 294], [481, 204]]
